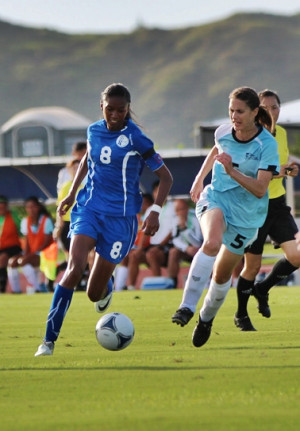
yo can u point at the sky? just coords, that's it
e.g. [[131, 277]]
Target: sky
[[124, 16]]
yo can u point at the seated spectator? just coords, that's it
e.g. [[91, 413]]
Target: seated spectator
[[9, 239], [156, 255], [37, 229], [186, 237], [62, 224], [142, 242], [64, 175]]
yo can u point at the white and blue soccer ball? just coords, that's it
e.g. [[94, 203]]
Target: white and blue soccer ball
[[114, 331]]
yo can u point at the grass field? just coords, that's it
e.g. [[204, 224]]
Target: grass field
[[237, 381]]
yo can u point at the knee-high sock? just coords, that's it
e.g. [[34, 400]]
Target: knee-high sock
[[121, 277], [61, 302], [282, 269], [3, 279], [199, 274], [243, 290], [30, 273], [14, 279], [214, 299]]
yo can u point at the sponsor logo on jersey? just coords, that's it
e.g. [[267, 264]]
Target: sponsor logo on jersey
[[250, 156]]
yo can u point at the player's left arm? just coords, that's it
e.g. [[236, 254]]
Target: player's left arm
[[257, 186], [290, 169]]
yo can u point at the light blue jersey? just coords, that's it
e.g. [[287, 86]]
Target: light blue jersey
[[115, 163], [240, 207]]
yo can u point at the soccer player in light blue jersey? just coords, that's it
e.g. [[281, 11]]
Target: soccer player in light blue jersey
[[104, 217], [230, 209], [279, 225]]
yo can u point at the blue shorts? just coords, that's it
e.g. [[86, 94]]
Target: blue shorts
[[235, 238], [114, 236]]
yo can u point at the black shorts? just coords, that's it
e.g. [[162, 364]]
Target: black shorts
[[279, 225], [11, 251]]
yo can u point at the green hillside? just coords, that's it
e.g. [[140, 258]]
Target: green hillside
[[176, 77]]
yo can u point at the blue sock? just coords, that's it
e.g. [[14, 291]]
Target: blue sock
[[61, 302], [110, 284]]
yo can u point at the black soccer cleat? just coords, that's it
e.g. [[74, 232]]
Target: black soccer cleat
[[201, 333], [263, 305], [182, 316], [243, 323]]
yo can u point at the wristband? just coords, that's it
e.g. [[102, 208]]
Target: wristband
[[156, 208]]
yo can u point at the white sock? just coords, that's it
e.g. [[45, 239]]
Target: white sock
[[14, 279], [121, 277], [30, 273], [214, 299], [199, 274]]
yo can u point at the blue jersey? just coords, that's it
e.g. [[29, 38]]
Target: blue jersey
[[115, 163], [242, 207]]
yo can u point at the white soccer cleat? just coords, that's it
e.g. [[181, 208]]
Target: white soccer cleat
[[45, 349], [103, 304]]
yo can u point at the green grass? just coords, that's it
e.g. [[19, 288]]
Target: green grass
[[270, 250], [237, 381]]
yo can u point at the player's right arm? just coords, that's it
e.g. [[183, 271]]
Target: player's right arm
[[206, 167]]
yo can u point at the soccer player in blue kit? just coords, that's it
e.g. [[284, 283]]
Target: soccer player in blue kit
[[104, 216], [230, 209]]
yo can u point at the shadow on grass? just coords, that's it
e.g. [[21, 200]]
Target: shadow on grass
[[149, 368], [257, 348]]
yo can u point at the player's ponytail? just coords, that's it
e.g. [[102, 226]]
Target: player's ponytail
[[264, 118], [270, 93]]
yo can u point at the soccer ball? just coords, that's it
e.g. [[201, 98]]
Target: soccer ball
[[114, 331]]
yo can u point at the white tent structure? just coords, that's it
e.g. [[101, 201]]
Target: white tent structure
[[289, 116], [290, 113]]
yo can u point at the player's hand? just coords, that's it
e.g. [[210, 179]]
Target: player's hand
[[65, 205], [292, 169], [151, 224], [196, 190], [226, 161]]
